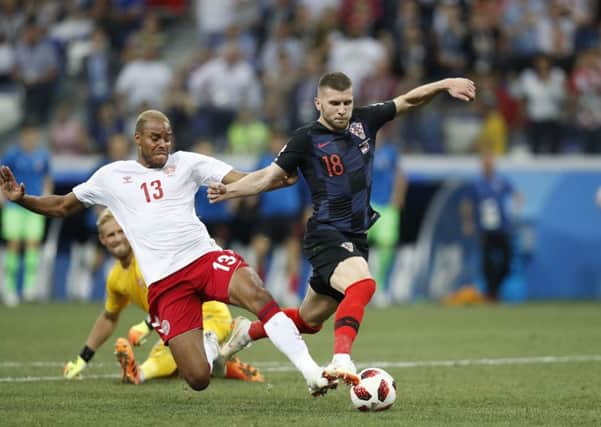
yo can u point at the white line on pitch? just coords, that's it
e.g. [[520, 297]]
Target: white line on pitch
[[281, 367]]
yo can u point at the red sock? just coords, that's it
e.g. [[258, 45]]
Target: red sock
[[350, 313], [268, 311], [257, 331]]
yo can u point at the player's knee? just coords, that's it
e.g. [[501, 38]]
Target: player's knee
[[198, 382], [311, 329]]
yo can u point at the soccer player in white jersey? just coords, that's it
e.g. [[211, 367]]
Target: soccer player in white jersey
[[152, 199]]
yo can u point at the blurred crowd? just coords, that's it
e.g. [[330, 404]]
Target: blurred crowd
[[83, 69], [237, 76]]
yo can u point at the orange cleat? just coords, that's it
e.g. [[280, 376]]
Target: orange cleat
[[235, 369], [125, 357]]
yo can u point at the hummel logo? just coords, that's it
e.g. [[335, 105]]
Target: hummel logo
[[323, 144], [127, 180]]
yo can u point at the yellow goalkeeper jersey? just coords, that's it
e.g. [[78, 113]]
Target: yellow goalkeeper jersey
[[126, 285]]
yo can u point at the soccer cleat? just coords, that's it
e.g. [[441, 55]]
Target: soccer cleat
[[319, 386], [239, 338], [129, 366], [235, 369], [343, 371]]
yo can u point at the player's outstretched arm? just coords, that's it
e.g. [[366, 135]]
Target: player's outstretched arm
[[58, 206], [103, 328], [460, 88], [253, 183]]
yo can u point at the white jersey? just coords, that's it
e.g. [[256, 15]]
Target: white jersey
[[155, 208]]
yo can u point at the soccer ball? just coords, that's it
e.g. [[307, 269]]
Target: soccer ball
[[375, 392]]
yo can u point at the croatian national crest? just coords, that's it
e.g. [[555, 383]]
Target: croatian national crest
[[356, 128], [348, 246]]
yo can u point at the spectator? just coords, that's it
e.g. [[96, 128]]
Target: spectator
[[389, 187], [484, 211], [99, 72], [483, 39], [222, 86], [144, 81], [355, 53], [493, 134], [217, 217], [542, 90], [12, 20], [67, 133], [303, 93], [150, 33], [555, 32], [23, 229], [280, 215], [379, 84], [284, 41], [278, 84], [106, 124], [37, 68], [451, 35], [247, 135], [180, 108], [519, 29], [118, 19], [585, 82], [7, 61]]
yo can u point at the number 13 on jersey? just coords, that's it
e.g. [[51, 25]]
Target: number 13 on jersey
[[224, 262], [154, 192]]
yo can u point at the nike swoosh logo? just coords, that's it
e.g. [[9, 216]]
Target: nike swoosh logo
[[323, 144]]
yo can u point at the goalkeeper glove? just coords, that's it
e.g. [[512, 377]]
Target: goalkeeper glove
[[138, 333], [73, 369]]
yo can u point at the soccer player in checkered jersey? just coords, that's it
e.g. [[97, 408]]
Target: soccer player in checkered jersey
[[152, 199], [335, 155]]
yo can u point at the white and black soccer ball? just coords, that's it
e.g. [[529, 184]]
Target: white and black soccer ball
[[375, 392]]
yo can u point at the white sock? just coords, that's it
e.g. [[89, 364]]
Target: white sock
[[211, 348], [283, 333], [342, 358]]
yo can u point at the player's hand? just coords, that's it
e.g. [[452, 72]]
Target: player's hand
[[12, 191], [73, 369], [461, 88], [216, 192], [138, 333]]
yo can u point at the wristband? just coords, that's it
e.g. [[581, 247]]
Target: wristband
[[86, 353]]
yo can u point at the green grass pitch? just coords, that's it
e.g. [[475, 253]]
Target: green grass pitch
[[531, 364]]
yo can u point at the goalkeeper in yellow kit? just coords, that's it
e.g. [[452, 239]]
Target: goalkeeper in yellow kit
[[124, 285]]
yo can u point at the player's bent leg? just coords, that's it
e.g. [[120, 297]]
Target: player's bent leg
[[245, 290], [160, 362], [189, 355], [244, 332], [316, 308]]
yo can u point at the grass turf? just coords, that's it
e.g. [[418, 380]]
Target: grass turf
[[430, 392]]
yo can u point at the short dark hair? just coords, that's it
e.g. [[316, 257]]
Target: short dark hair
[[337, 81]]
